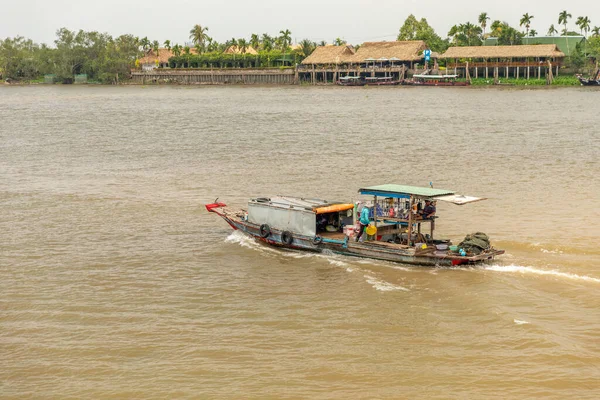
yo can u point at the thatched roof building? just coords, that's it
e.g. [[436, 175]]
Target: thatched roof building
[[162, 57], [330, 55], [399, 50], [238, 50], [496, 52]]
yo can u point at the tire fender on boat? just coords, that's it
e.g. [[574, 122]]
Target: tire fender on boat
[[286, 237], [317, 240], [265, 230]]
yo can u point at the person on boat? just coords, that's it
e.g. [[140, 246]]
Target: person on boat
[[429, 210], [363, 221]]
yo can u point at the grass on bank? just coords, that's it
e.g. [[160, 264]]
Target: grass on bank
[[558, 81]]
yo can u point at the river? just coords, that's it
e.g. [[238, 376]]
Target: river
[[116, 282]]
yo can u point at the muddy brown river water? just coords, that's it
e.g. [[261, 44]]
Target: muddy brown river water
[[116, 283]]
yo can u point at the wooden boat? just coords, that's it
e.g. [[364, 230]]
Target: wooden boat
[[435, 80], [381, 81], [351, 81], [395, 228], [592, 81]]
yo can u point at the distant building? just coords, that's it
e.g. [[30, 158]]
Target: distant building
[[397, 52], [566, 44], [515, 61]]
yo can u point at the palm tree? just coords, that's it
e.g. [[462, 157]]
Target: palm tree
[[167, 45], [267, 42], [552, 31], [596, 31], [198, 36], [563, 18], [532, 33], [255, 41], [242, 45], [496, 27], [339, 42], [526, 20], [156, 47], [177, 50], [307, 47], [286, 39], [322, 43], [584, 24], [231, 42], [483, 17], [145, 43]]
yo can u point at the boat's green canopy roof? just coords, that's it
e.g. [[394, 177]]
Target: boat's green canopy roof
[[403, 191]]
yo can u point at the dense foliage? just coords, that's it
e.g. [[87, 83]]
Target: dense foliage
[[412, 29], [264, 59], [98, 55]]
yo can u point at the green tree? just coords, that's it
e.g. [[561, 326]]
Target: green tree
[[255, 41], [322, 43], [526, 20], [177, 50], [483, 17], [532, 33], [242, 45], [167, 45], [286, 39], [563, 19], [198, 36], [506, 34], [267, 42], [496, 28], [156, 47], [466, 34], [307, 47], [596, 31], [584, 25], [145, 43], [339, 42], [552, 30], [413, 29], [118, 58]]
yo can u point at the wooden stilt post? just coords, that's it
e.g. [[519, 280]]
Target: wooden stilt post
[[517, 72], [486, 72], [539, 72], [375, 212], [528, 68], [467, 74], [410, 220]]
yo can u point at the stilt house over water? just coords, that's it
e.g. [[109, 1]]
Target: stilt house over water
[[520, 61], [372, 59]]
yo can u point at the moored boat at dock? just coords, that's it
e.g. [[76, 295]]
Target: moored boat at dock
[[594, 80], [351, 81], [381, 81], [397, 221], [435, 80]]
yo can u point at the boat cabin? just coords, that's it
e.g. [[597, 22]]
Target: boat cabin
[[303, 216], [398, 212]]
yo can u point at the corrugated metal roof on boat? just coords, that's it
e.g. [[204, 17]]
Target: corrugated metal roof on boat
[[290, 201], [391, 189]]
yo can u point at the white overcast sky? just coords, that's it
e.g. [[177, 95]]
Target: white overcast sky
[[356, 21]]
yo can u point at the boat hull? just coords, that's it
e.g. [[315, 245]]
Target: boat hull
[[347, 247]]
